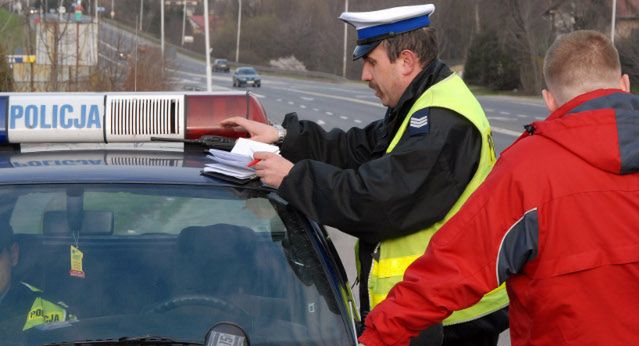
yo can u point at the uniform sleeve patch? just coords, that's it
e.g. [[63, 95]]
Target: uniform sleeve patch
[[419, 123]]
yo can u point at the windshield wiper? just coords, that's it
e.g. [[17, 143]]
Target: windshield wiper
[[131, 341]]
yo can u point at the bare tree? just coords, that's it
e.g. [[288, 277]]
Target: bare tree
[[529, 33], [145, 72]]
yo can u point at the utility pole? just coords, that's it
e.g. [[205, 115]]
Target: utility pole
[[612, 25], [239, 25], [135, 67], [183, 22], [141, 13], [209, 85], [162, 30], [345, 38]]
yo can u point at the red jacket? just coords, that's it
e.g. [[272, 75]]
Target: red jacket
[[558, 219]]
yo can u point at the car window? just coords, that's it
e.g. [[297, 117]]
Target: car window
[[170, 261], [246, 71]]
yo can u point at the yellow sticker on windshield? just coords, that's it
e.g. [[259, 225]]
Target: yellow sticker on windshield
[[76, 262]]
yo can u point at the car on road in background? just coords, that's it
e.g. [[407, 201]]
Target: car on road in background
[[246, 75], [169, 255], [221, 65]]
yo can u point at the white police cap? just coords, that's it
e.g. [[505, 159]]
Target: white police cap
[[375, 26]]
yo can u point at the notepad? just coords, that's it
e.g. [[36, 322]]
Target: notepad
[[234, 163]]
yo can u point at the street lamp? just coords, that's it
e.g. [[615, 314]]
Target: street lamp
[[183, 21], [162, 30], [239, 25], [207, 51], [345, 37], [612, 26]]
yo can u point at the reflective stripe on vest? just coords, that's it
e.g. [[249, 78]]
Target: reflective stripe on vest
[[395, 255], [43, 311]]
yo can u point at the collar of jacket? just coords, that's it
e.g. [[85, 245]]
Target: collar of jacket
[[566, 108], [431, 75]]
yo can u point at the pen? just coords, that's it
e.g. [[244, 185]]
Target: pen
[[253, 163]]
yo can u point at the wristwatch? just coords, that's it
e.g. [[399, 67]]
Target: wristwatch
[[281, 133]]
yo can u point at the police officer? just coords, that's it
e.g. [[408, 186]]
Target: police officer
[[22, 306], [395, 182]]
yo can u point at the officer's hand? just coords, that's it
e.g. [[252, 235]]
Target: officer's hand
[[259, 132], [272, 168]]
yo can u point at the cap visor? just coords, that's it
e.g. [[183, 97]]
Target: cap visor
[[363, 49]]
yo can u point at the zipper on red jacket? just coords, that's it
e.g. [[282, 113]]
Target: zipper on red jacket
[[530, 128]]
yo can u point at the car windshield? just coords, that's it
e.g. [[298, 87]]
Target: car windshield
[[168, 261], [246, 70], [220, 61]]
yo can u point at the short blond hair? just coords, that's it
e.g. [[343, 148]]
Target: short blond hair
[[579, 62]]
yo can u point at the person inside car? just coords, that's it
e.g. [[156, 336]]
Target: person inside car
[[22, 306]]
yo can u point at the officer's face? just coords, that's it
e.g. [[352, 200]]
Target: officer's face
[[8, 259], [383, 76]]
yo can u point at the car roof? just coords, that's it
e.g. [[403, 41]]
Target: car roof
[[106, 165]]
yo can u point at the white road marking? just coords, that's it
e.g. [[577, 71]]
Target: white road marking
[[357, 121], [305, 98], [539, 118], [517, 100], [501, 118], [343, 117], [303, 106], [504, 113], [329, 113], [489, 110], [521, 115], [279, 100], [291, 102], [506, 131], [321, 122], [316, 110], [350, 99]]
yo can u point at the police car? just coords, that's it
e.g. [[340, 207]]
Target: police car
[[140, 246]]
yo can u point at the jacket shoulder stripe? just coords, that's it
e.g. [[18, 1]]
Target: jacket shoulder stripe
[[518, 246]]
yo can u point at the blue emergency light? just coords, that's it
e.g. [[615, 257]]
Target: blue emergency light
[[120, 117]]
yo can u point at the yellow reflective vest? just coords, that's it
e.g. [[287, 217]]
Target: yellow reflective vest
[[43, 311], [395, 255]]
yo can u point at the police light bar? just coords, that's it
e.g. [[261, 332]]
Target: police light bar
[[121, 117]]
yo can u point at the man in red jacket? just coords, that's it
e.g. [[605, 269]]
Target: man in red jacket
[[557, 219]]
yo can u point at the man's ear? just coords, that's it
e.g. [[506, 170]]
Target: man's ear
[[549, 99], [624, 83], [409, 62]]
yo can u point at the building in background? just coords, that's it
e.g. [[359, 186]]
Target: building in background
[[66, 52]]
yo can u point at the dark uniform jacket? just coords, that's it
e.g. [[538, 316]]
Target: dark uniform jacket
[[346, 179], [15, 307]]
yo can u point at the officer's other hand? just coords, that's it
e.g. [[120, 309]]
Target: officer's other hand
[[272, 168], [259, 132]]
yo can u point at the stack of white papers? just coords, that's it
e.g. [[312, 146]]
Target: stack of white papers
[[235, 163]]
